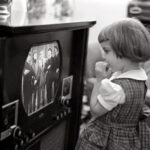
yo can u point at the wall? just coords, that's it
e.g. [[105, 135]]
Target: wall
[[103, 11]]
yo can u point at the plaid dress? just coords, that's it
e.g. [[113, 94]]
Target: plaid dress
[[120, 128]]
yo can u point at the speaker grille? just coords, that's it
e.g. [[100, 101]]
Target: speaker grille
[[55, 139]]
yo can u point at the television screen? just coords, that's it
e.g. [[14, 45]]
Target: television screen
[[40, 76]]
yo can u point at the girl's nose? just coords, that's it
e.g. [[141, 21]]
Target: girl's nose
[[103, 55]]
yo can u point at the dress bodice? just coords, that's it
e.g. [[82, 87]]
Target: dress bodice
[[129, 112]]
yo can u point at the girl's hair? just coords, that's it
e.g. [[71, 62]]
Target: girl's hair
[[129, 38]]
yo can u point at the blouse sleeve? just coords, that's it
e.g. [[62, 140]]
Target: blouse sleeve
[[110, 94]]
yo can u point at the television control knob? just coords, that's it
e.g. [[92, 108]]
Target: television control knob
[[16, 147], [33, 135], [67, 102], [26, 139], [20, 142], [69, 110], [65, 113], [61, 115], [62, 99], [57, 117], [17, 132], [30, 135]]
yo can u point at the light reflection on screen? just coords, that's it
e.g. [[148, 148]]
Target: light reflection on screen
[[40, 76]]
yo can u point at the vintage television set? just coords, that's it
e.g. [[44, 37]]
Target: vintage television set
[[41, 84]]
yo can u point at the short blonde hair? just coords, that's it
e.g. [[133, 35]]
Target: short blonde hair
[[129, 38]]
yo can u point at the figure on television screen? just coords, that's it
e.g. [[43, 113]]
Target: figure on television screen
[[37, 73], [38, 65], [56, 66], [49, 75], [42, 61], [29, 80]]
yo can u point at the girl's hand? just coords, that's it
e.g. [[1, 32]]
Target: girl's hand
[[102, 70]]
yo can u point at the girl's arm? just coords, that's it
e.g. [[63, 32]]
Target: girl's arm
[[96, 108], [101, 72]]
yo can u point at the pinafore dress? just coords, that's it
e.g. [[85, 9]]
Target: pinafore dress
[[120, 128]]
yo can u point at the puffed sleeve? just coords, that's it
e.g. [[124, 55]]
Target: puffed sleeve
[[110, 94]]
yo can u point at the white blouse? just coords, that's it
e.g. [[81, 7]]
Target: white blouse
[[112, 94]]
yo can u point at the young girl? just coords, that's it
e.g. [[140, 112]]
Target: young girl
[[116, 102]]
